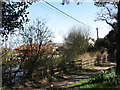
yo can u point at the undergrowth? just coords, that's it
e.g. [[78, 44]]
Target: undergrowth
[[104, 79]]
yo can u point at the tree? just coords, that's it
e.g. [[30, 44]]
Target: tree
[[110, 44], [111, 17], [9, 63], [77, 41], [118, 42], [108, 13], [13, 16], [34, 36], [100, 43]]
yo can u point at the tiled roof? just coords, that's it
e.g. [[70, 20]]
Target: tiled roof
[[32, 47], [27, 47]]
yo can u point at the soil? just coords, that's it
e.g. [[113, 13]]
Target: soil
[[71, 79]]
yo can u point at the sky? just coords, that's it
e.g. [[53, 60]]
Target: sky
[[61, 25]]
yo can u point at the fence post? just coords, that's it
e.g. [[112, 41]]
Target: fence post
[[81, 63], [89, 62], [73, 64], [51, 70]]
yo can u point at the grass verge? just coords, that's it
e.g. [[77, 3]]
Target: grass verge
[[104, 79]]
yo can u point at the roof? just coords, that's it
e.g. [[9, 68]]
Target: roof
[[27, 47], [32, 47]]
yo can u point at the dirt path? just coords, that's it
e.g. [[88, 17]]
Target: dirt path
[[71, 79]]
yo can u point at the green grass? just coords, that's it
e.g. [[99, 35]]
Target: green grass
[[105, 79], [99, 85], [78, 83], [95, 85]]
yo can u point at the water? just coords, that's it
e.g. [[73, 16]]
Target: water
[[17, 74]]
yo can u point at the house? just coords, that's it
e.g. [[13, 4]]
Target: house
[[91, 42], [54, 48], [26, 48]]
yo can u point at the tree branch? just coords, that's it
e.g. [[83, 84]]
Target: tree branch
[[109, 23]]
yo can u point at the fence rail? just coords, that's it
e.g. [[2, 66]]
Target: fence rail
[[67, 67], [88, 63]]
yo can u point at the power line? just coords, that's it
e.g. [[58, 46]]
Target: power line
[[66, 14], [52, 6]]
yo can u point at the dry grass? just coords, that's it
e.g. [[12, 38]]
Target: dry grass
[[87, 56], [90, 55]]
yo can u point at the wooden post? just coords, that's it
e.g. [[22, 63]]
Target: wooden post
[[97, 33], [81, 63], [89, 62], [51, 70]]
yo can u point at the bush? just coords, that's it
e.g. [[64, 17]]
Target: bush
[[77, 41]]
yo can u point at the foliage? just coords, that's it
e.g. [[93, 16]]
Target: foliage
[[110, 38], [25, 61], [118, 42], [9, 63], [100, 43], [77, 41], [13, 16], [111, 17], [104, 79], [35, 36], [91, 48]]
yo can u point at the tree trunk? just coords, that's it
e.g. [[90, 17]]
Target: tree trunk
[[29, 74], [118, 43]]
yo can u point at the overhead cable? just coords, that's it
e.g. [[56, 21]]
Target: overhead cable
[[66, 14]]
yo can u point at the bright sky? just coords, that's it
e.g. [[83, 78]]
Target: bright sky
[[61, 24]]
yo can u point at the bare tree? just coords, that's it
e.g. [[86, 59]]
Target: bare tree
[[108, 12], [35, 35]]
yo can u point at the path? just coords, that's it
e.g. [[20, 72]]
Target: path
[[71, 79]]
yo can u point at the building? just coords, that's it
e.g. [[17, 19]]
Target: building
[[91, 42], [27, 48]]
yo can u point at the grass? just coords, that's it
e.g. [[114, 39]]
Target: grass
[[95, 85], [78, 83], [105, 79], [102, 80]]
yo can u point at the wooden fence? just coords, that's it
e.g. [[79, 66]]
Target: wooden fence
[[66, 67], [69, 66], [91, 62]]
